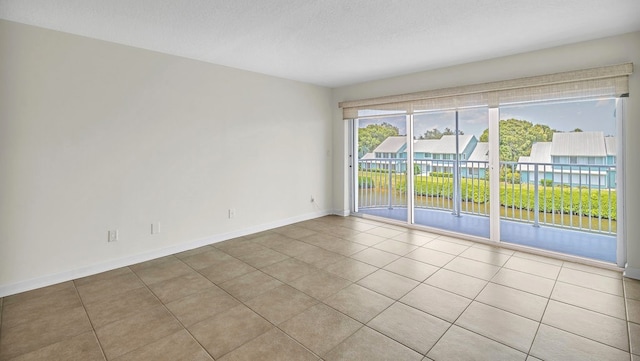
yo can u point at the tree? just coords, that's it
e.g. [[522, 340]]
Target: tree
[[370, 137], [437, 134], [577, 130], [517, 137]]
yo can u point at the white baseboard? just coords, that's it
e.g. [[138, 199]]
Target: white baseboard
[[632, 273], [48, 280], [341, 212]]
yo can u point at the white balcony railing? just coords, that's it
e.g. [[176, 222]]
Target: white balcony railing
[[574, 196]]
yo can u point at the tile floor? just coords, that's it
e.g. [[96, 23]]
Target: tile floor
[[334, 289]]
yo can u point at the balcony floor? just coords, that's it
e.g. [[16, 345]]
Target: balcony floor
[[583, 244]]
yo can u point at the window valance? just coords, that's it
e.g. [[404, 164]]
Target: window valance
[[587, 83]]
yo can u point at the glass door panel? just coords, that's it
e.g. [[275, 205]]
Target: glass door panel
[[381, 188], [558, 177], [450, 171]]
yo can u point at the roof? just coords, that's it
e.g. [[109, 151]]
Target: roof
[[391, 145], [585, 144], [368, 156], [611, 144], [444, 145], [480, 153]]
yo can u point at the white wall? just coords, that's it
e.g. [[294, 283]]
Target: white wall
[[608, 51], [97, 136]]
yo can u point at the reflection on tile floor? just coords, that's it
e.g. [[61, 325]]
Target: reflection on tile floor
[[332, 288]]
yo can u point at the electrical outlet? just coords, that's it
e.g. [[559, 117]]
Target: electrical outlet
[[155, 228], [112, 235], [232, 213]]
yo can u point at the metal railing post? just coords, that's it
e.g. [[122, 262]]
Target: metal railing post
[[536, 200], [389, 190]]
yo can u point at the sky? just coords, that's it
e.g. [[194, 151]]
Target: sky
[[591, 115]]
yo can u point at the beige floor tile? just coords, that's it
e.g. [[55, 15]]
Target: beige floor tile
[[416, 238], [389, 284], [510, 299], [193, 252], [551, 345], [591, 280], [430, 256], [633, 310], [592, 269], [320, 328], [262, 258], [244, 248], [320, 257], [250, 285], [83, 347], [460, 344], [128, 334], [495, 249], [178, 287], [206, 258], [395, 247], [409, 326], [495, 258], [343, 247], [359, 303], [154, 263], [281, 303], [30, 336], [525, 282], [457, 283], [178, 346], [590, 299], [446, 246], [375, 257], [102, 276], [274, 240], [200, 306], [456, 240], [351, 269], [273, 345], [343, 232], [289, 269], [125, 305], [531, 358], [37, 293], [295, 232], [226, 270], [410, 268], [320, 284], [632, 288], [533, 267], [108, 288], [370, 345], [366, 239], [436, 302], [634, 337], [321, 240], [35, 308], [539, 258], [227, 331], [502, 326], [472, 268], [386, 231], [592, 325], [294, 248], [151, 275]]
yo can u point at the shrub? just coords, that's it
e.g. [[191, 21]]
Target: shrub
[[546, 182], [365, 182]]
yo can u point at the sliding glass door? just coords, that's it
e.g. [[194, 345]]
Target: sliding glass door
[[450, 171]]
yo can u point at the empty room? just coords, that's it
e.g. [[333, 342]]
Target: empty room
[[327, 180]]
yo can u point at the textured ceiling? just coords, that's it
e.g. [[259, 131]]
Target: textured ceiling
[[333, 42]]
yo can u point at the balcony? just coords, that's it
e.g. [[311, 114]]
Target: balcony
[[567, 208]]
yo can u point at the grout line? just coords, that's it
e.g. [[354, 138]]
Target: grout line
[[93, 328]]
